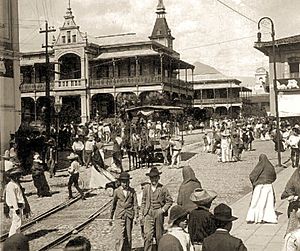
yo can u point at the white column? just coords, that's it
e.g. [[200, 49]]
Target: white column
[[286, 70], [57, 69], [84, 108]]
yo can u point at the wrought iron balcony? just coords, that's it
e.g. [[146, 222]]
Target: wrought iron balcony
[[218, 101], [40, 87], [291, 75], [70, 84]]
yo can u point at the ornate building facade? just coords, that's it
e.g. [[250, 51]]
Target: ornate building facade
[[100, 76]]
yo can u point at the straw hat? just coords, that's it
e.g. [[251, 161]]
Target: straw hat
[[6, 155], [176, 213], [223, 212], [36, 158], [202, 197], [72, 156], [14, 172], [153, 172]]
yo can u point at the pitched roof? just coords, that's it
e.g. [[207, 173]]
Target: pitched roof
[[161, 29], [282, 41]]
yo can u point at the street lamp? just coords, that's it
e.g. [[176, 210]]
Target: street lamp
[[274, 81], [57, 107]]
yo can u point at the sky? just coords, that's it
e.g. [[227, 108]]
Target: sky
[[206, 31]]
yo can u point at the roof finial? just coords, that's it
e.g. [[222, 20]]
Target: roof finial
[[160, 9]]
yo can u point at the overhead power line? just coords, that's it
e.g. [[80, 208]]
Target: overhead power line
[[236, 11]]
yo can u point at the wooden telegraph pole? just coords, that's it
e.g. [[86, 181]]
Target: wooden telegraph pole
[[47, 73]]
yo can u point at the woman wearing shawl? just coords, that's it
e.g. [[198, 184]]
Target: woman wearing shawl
[[262, 204], [99, 176], [292, 194], [189, 184]]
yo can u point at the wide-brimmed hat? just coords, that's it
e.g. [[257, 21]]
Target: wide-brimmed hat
[[176, 213], [50, 142], [6, 155], [72, 156], [36, 158], [177, 138], [153, 172], [14, 171], [223, 212], [124, 176], [225, 133], [202, 197], [163, 136]]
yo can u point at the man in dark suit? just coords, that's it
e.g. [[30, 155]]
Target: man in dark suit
[[221, 240], [156, 202], [125, 208]]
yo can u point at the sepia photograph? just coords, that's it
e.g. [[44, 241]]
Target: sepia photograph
[[149, 125]]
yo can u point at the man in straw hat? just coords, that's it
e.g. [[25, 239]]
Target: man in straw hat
[[15, 200], [156, 202], [176, 144], [177, 238], [221, 240], [125, 208], [201, 222], [74, 175]]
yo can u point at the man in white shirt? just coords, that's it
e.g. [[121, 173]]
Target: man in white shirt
[[77, 148], [294, 142], [14, 200]]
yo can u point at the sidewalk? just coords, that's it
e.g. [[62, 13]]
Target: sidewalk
[[259, 237]]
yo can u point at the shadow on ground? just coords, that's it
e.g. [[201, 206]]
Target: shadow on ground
[[40, 233]]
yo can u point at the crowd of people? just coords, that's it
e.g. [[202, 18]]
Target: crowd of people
[[192, 225]]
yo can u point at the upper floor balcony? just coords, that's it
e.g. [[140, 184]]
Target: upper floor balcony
[[291, 75], [67, 84], [236, 100], [138, 80]]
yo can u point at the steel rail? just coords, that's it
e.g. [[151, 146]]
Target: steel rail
[[77, 228], [45, 214]]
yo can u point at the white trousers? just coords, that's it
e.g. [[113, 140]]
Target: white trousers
[[262, 206], [16, 222]]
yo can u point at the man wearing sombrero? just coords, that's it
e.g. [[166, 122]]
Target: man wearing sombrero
[[221, 240], [156, 202], [14, 200], [124, 208]]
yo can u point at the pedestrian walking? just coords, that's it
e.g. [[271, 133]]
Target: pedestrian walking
[[176, 144], [15, 200], [221, 240], [165, 148], [294, 142], [176, 239], [201, 223], [226, 147], [38, 177], [156, 202], [50, 156], [262, 207], [117, 153], [187, 187], [88, 150], [206, 143], [125, 209], [74, 175], [77, 148]]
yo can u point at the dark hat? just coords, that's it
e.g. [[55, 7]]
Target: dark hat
[[124, 176], [16, 242], [223, 212], [176, 213], [202, 197], [153, 172], [14, 171]]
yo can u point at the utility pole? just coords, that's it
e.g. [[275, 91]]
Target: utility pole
[[47, 73]]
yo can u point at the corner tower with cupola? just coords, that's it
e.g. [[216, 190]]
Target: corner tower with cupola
[[161, 31]]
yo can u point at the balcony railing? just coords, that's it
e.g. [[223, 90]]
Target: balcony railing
[[291, 75], [35, 87], [69, 84], [124, 81], [218, 101]]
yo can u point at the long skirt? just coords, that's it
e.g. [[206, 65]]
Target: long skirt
[[100, 178], [262, 205]]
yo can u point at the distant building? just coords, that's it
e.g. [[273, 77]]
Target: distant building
[[102, 75], [288, 76], [219, 95], [9, 72]]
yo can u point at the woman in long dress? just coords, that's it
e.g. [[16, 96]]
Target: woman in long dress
[[262, 207], [99, 175]]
